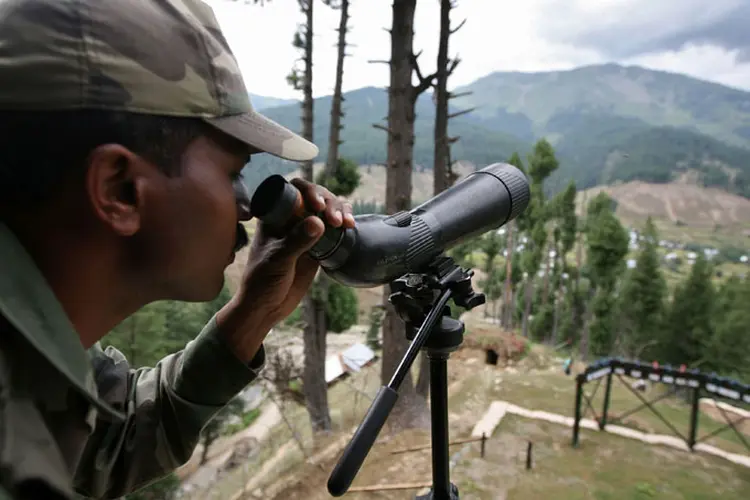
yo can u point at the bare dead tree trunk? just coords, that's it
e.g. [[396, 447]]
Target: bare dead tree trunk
[[529, 294], [411, 409], [314, 386], [441, 146], [545, 289], [307, 83], [556, 317], [334, 136], [442, 176], [507, 311]]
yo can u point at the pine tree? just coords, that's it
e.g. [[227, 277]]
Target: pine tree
[[728, 350], [689, 322], [642, 302], [607, 244]]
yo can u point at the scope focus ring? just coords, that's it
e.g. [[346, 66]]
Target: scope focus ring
[[420, 241]]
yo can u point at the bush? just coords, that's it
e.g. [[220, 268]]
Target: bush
[[343, 308], [344, 181]]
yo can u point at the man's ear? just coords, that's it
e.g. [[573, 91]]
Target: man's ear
[[114, 188]]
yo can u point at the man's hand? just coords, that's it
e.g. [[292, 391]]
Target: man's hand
[[279, 272]]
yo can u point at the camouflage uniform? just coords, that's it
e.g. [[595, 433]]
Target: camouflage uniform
[[72, 420]]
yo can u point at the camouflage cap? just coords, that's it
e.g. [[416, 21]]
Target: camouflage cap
[[161, 57]]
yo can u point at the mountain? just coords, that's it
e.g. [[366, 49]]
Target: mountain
[[529, 102], [365, 144], [619, 123], [264, 102], [608, 123]]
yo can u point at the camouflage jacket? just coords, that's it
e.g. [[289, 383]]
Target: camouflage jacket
[[86, 422]]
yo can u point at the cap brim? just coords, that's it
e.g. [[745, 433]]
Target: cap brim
[[266, 135]]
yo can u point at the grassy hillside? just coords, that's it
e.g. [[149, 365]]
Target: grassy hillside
[[682, 212], [530, 101], [603, 467]]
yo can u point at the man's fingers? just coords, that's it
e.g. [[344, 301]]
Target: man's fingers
[[313, 194], [336, 210], [302, 238], [348, 213]]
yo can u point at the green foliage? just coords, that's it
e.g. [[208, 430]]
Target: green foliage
[[516, 273], [342, 309], [542, 322], [360, 207], [690, 317], [565, 210], [461, 253], [607, 246], [213, 429], [727, 350], [162, 328], [644, 295], [542, 162], [491, 243], [493, 285], [344, 181], [246, 419]]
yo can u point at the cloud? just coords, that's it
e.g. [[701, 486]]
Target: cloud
[[628, 28], [701, 38]]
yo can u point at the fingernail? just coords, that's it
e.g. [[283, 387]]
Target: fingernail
[[339, 217], [321, 200]]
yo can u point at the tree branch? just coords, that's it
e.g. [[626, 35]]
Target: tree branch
[[451, 31], [381, 127], [452, 67], [424, 83], [378, 61], [459, 113], [451, 95], [415, 65]]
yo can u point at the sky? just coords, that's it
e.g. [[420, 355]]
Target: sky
[[707, 39]]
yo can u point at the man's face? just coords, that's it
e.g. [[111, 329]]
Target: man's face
[[190, 225]]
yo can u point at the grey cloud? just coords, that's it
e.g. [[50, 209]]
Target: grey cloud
[[638, 27]]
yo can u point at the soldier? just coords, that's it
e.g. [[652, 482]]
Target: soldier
[[125, 125]]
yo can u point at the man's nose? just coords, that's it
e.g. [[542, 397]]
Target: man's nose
[[243, 200]]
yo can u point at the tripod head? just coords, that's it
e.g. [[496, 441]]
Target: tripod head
[[421, 300]]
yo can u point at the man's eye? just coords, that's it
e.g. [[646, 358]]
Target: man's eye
[[237, 176]]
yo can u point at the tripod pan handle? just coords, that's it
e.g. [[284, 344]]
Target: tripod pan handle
[[359, 446]]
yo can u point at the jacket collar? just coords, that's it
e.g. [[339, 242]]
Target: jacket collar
[[30, 305]]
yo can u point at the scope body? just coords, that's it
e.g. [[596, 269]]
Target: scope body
[[383, 247]]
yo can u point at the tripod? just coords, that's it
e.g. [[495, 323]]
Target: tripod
[[421, 302]]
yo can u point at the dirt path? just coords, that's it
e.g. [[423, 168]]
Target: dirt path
[[195, 476]]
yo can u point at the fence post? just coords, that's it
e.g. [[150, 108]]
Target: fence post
[[694, 418], [605, 405], [577, 410], [528, 456], [484, 440]]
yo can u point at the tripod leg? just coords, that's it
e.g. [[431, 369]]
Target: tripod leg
[[441, 489]]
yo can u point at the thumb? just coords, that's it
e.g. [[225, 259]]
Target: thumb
[[303, 236]]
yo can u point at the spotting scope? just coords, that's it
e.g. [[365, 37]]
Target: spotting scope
[[383, 247]]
